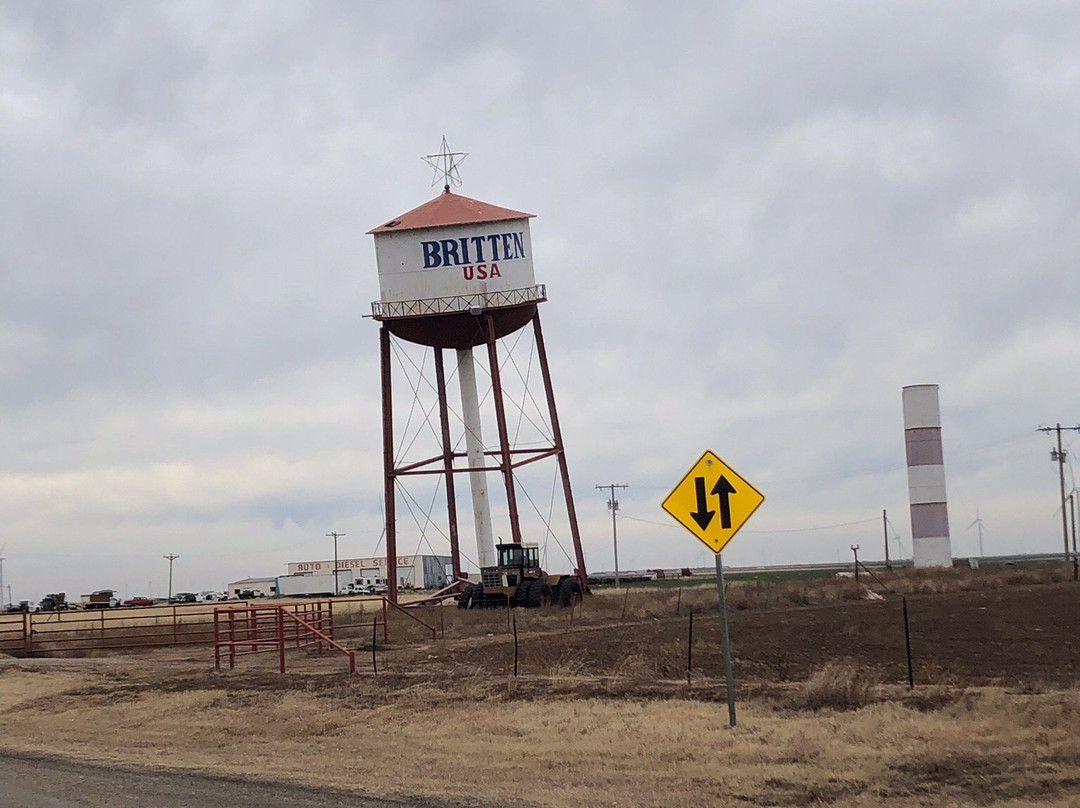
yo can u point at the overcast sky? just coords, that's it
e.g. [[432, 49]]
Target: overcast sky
[[756, 223]]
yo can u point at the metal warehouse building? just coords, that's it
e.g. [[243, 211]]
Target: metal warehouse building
[[261, 587], [413, 572]]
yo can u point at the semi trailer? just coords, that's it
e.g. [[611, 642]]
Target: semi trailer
[[311, 585]]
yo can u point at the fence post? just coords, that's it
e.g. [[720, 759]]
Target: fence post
[[515, 648], [217, 646], [690, 648], [385, 624], [232, 639], [28, 633], [101, 630], [174, 625], [907, 645], [374, 637], [626, 598], [281, 637], [678, 604]]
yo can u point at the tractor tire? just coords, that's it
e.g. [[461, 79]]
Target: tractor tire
[[564, 593], [521, 596], [464, 600], [479, 601], [532, 595], [544, 595]]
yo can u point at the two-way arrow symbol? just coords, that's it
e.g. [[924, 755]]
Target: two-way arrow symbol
[[703, 516]]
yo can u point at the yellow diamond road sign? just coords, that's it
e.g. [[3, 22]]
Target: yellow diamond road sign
[[712, 501]]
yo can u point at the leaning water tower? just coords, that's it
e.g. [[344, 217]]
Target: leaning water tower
[[457, 274]]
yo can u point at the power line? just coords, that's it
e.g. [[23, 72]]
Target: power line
[[786, 530]]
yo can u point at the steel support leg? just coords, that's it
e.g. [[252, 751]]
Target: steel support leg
[[389, 477], [504, 435], [448, 463], [564, 470]]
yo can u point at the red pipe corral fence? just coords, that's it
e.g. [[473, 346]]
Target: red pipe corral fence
[[233, 629], [240, 630]]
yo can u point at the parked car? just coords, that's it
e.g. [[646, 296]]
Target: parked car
[[358, 588], [139, 600], [184, 597]]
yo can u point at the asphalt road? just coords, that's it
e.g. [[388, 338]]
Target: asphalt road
[[37, 781]]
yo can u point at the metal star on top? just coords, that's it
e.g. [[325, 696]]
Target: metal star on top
[[446, 165]]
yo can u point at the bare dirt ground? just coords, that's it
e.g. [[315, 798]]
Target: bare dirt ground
[[1026, 635], [601, 713]]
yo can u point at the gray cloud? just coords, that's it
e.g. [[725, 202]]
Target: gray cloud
[[756, 224]]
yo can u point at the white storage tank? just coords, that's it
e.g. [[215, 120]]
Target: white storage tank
[[452, 257]]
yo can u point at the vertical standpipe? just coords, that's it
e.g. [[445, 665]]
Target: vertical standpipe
[[926, 476], [474, 448]]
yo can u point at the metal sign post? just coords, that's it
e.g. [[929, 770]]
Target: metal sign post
[[729, 673]]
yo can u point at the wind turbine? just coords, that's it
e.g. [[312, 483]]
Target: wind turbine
[[978, 522]]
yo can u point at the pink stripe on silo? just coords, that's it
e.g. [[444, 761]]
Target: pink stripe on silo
[[924, 446], [930, 519]]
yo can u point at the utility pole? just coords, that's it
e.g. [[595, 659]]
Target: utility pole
[[885, 528], [171, 557], [1072, 511], [613, 505], [337, 588], [1059, 456], [2, 583]]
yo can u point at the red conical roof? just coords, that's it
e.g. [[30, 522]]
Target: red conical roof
[[448, 209]]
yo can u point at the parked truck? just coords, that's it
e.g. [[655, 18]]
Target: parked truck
[[101, 599], [371, 586], [56, 602], [311, 586]]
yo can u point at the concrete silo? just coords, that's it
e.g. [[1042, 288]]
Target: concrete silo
[[926, 476]]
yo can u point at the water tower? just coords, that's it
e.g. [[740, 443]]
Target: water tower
[[457, 274]]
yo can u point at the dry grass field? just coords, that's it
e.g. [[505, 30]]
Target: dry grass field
[[601, 713]]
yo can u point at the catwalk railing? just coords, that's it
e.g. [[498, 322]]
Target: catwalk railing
[[451, 304]]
